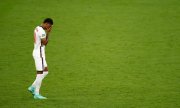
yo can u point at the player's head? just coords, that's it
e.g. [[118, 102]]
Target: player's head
[[48, 22]]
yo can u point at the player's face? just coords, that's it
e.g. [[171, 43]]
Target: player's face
[[48, 26]]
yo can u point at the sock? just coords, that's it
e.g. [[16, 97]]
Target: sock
[[34, 83], [45, 74], [37, 83]]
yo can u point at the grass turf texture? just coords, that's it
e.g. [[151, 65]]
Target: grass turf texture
[[101, 54]]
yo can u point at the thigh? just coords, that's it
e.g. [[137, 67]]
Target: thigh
[[39, 63]]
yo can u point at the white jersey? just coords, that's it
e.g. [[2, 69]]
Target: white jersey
[[39, 48]]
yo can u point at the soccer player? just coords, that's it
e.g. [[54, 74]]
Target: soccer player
[[41, 35]]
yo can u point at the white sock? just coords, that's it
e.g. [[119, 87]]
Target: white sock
[[37, 83], [34, 83], [45, 74]]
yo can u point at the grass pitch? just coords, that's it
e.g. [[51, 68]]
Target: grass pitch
[[101, 54]]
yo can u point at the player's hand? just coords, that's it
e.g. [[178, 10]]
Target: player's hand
[[49, 29]]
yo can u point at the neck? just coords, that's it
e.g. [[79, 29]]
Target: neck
[[43, 26]]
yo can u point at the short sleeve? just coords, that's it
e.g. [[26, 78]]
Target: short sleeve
[[42, 33]]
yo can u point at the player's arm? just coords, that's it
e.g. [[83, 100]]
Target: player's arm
[[45, 40]]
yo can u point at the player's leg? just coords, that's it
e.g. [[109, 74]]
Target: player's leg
[[43, 75], [38, 65], [38, 82], [40, 76], [35, 88], [39, 79]]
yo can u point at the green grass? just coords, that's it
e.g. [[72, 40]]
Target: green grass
[[101, 54]]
